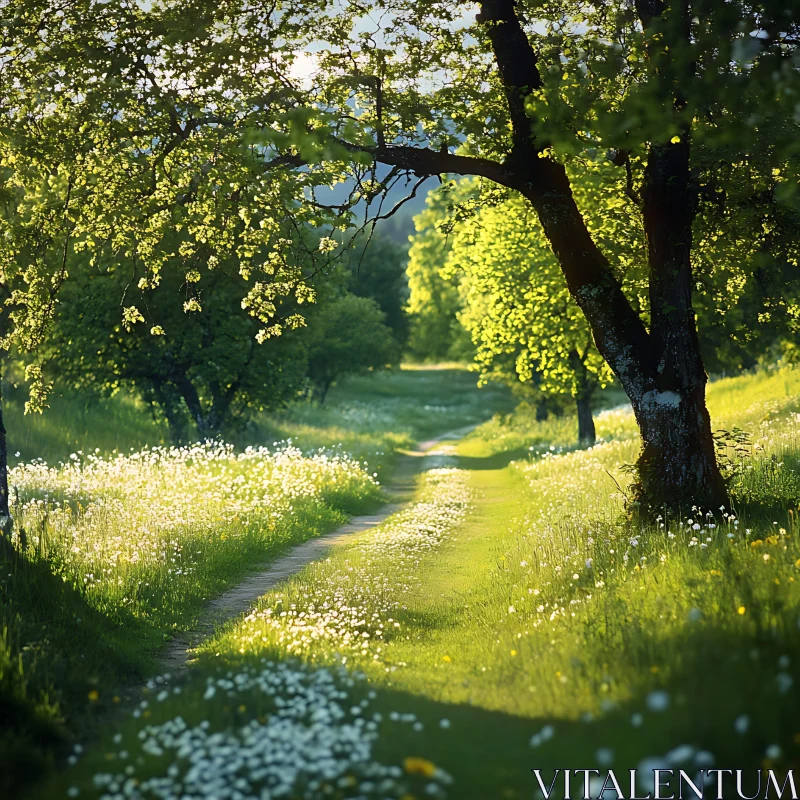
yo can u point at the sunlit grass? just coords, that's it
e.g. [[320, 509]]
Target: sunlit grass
[[124, 545], [544, 630]]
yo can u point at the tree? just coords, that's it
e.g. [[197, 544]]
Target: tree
[[520, 92], [524, 323], [434, 300], [117, 131], [197, 362], [346, 336], [643, 81], [376, 267]]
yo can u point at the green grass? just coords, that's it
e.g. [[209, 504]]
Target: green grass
[[368, 417], [120, 423], [371, 417], [123, 547], [543, 627]]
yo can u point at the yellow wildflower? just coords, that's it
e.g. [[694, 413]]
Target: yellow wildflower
[[414, 765], [94, 695], [741, 610], [446, 659]]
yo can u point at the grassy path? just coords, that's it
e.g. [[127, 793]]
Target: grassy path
[[241, 598], [420, 686]]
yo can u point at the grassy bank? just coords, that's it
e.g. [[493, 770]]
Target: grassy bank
[[511, 619], [366, 417]]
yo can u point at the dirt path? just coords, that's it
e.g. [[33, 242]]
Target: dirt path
[[242, 597]]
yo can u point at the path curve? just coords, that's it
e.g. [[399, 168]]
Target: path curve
[[241, 598]]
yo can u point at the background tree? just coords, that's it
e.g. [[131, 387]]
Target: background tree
[[376, 268], [434, 301], [119, 129], [524, 323], [346, 335], [197, 360]]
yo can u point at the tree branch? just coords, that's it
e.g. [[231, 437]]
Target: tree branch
[[517, 63]]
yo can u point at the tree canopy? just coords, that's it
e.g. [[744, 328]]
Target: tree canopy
[[123, 122], [202, 367]]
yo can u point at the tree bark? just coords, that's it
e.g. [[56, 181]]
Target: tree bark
[[586, 432], [661, 370], [542, 411], [169, 401], [587, 435]]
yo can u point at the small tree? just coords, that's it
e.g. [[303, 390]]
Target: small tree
[[434, 300], [376, 268], [515, 304], [346, 336], [197, 360]]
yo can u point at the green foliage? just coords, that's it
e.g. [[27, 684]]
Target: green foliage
[[200, 364], [347, 336], [434, 300], [125, 124], [517, 308], [377, 268]]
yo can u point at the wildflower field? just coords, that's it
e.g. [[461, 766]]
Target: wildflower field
[[515, 615], [123, 547]]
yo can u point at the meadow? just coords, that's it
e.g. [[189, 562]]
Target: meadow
[[124, 541], [515, 615]]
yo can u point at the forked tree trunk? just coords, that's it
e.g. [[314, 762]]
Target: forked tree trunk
[[661, 370]]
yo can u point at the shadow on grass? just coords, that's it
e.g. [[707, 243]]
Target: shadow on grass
[[491, 753], [722, 677], [55, 649], [496, 461]]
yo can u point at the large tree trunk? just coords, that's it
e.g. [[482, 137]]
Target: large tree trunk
[[678, 453], [661, 370]]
